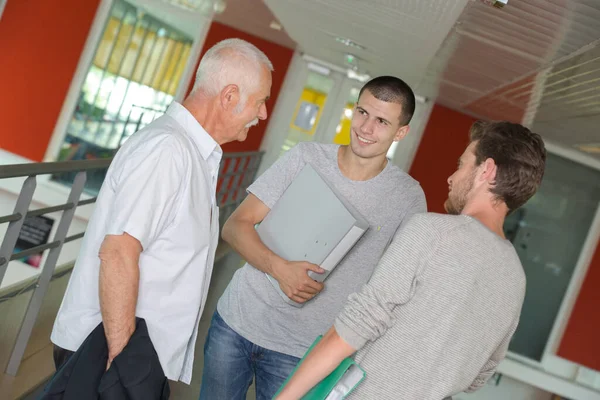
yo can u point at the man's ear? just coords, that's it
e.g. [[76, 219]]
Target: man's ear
[[489, 169], [401, 133], [230, 97]]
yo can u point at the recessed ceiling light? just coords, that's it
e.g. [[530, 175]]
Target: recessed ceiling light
[[320, 69], [421, 99], [275, 25], [219, 6], [352, 74], [349, 43]]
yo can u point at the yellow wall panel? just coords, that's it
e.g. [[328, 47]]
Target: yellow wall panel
[[343, 136], [309, 96]]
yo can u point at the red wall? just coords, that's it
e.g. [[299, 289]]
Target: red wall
[[444, 140], [280, 57], [40, 44], [580, 342]]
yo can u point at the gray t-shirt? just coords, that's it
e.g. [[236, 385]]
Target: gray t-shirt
[[252, 307]]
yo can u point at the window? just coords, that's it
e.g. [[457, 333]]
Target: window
[[134, 75]]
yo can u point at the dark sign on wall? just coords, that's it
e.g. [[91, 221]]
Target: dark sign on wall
[[35, 232]]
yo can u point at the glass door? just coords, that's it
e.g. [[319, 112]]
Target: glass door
[[548, 233]]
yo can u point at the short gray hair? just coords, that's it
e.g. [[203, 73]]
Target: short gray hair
[[231, 61]]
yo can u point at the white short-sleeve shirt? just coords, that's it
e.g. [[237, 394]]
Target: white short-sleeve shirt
[[160, 188]]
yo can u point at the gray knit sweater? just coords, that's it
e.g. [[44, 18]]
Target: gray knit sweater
[[438, 314]]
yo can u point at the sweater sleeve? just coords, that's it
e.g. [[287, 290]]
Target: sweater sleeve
[[368, 314], [489, 369]]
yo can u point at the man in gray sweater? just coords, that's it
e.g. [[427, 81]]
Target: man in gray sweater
[[438, 314]]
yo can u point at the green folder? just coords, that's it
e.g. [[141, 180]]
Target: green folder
[[336, 385]]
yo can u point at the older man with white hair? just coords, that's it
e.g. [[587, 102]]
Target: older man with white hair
[[149, 248]]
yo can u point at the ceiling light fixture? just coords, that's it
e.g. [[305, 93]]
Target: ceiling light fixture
[[319, 69], [275, 25], [349, 43], [219, 6], [352, 74]]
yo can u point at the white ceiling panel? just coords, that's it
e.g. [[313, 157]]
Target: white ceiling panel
[[532, 61], [399, 37]]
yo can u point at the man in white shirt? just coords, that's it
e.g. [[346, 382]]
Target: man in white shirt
[[149, 248]]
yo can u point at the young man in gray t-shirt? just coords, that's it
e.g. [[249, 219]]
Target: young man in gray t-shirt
[[254, 333]]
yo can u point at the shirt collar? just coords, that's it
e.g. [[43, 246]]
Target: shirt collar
[[206, 144]]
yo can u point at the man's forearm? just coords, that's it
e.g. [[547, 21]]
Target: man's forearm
[[322, 360], [244, 239], [292, 276], [118, 287]]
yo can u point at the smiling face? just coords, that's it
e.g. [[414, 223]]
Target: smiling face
[[375, 126]]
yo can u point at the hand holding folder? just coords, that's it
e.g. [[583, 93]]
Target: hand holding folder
[[311, 222], [295, 281], [337, 385]]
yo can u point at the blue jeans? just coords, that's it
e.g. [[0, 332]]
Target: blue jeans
[[231, 362]]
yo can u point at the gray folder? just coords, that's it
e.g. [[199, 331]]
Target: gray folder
[[311, 222]]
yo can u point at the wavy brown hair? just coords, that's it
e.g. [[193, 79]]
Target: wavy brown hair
[[520, 156]]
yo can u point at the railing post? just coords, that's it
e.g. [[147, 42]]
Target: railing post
[[239, 171], [35, 304], [14, 227], [253, 162], [223, 194], [238, 184]]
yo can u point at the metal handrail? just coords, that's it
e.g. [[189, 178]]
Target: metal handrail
[[34, 169], [237, 171], [10, 218]]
